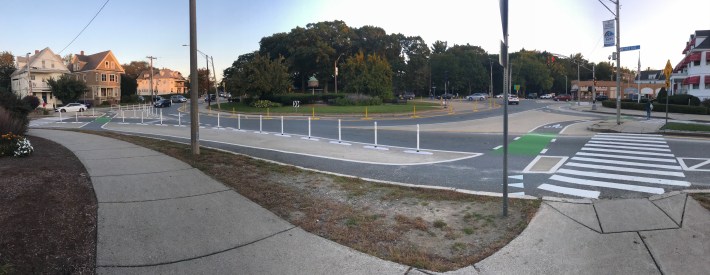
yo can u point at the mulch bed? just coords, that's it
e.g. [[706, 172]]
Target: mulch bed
[[47, 213]]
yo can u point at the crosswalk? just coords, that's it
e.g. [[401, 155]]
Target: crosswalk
[[631, 162]]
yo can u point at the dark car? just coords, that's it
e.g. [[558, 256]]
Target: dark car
[[602, 97], [408, 96], [85, 102], [563, 98], [162, 103], [445, 96], [531, 96], [210, 97]]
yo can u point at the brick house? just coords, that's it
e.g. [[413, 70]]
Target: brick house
[[102, 74]]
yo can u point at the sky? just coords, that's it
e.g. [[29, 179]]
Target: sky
[[226, 29]]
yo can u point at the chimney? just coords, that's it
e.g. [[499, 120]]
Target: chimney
[[81, 53], [36, 51]]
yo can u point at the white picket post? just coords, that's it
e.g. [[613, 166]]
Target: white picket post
[[309, 127], [282, 125], [417, 137], [339, 133], [375, 134], [239, 121], [260, 117], [161, 116]]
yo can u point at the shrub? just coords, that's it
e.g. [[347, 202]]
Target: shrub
[[706, 103], [264, 104], [357, 100], [13, 123], [14, 145], [31, 101]]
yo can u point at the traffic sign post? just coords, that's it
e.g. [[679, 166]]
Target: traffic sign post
[[667, 72]]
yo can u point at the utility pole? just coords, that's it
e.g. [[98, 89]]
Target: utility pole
[[194, 115], [336, 72], [214, 73], [594, 87], [152, 92], [579, 85], [29, 76], [618, 64]]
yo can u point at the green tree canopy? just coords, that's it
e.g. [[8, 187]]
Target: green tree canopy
[[7, 67], [67, 88], [370, 75], [258, 75]]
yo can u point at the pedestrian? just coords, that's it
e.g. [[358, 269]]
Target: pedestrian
[[649, 107]]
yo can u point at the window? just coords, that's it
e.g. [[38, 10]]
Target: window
[[43, 64], [113, 65], [97, 77], [83, 77], [696, 86], [106, 64], [103, 77], [32, 77], [696, 63], [112, 78], [52, 65]]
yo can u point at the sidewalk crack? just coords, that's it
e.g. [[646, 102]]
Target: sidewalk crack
[[650, 253]]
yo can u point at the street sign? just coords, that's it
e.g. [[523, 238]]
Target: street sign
[[667, 72], [516, 87], [630, 48], [504, 16], [503, 57]]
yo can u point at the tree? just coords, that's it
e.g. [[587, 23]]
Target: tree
[[439, 47], [67, 88], [371, 76], [134, 68], [261, 77], [7, 67], [129, 87]]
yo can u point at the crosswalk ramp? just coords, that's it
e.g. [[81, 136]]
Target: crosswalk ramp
[[614, 161]]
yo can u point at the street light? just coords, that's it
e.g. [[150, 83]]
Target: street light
[[207, 59], [336, 71]]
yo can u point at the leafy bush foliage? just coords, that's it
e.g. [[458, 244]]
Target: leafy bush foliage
[[706, 103], [13, 114], [31, 101], [14, 145], [659, 107], [265, 104], [358, 100]]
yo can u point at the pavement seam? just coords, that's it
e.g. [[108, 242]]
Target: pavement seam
[[598, 220], [181, 197], [667, 215], [682, 215], [650, 253], [563, 214], [146, 173], [206, 255]]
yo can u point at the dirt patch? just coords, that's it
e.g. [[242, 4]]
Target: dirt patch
[[47, 213], [703, 199], [431, 229]]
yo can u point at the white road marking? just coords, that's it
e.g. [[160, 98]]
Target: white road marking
[[518, 185], [629, 140], [652, 190], [627, 169], [624, 134], [554, 168], [569, 191], [553, 140], [517, 138], [497, 147], [517, 177], [636, 143], [682, 163], [672, 167], [628, 152], [624, 177], [625, 157], [637, 147], [543, 151]]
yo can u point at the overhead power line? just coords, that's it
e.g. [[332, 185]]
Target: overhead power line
[[82, 30]]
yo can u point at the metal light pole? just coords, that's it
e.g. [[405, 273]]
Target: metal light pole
[[566, 85], [618, 64], [152, 92], [594, 87], [579, 85], [194, 115], [29, 76], [336, 72]]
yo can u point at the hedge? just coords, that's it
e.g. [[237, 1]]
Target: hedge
[[288, 99], [658, 107]]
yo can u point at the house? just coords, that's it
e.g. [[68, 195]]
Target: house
[[692, 74], [651, 82], [33, 72], [102, 74], [166, 81]]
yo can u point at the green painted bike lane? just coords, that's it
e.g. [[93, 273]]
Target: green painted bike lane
[[529, 144]]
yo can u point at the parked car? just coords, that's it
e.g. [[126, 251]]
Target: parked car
[[210, 97], [563, 98], [476, 97], [157, 98], [178, 99], [499, 96], [407, 96], [72, 107], [546, 96], [85, 102], [602, 97], [162, 103], [532, 96], [512, 99]]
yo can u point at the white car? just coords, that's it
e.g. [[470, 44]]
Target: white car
[[546, 96], [476, 97], [513, 100], [72, 107], [499, 96]]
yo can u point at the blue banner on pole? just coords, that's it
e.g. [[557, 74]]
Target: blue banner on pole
[[609, 33]]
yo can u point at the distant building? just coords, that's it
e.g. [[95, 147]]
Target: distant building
[[651, 82], [102, 74], [166, 81], [43, 65], [692, 74]]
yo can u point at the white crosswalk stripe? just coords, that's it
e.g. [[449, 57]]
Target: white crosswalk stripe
[[629, 162]]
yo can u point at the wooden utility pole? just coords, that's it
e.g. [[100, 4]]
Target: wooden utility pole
[[152, 92]]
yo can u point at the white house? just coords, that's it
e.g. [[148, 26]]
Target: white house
[[32, 79], [692, 74], [166, 81]]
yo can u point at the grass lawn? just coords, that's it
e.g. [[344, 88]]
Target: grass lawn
[[326, 109], [686, 127]]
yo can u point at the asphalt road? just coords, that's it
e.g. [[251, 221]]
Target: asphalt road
[[569, 165]]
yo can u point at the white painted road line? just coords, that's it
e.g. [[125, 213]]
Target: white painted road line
[[497, 147], [635, 147], [517, 138], [625, 157], [628, 152], [637, 188], [628, 143], [543, 151], [569, 191], [628, 140], [624, 134], [553, 140], [624, 177], [627, 169], [629, 163]]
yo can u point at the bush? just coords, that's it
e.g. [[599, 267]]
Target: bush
[[31, 101], [659, 107], [13, 114], [264, 104], [288, 99], [706, 103], [357, 100], [14, 145]]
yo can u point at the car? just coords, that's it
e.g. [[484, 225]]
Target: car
[[513, 100], [72, 107], [162, 103], [211, 97], [546, 96], [601, 97], [498, 96], [157, 98], [476, 97], [178, 99], [85, 102], [563, 98], [445, 96], [531, 96], [408, 96]]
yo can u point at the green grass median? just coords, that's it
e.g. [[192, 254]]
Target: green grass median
[[327, 109], [686, 127]]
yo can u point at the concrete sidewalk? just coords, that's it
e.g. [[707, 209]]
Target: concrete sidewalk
[[633, 121], [158, 215]]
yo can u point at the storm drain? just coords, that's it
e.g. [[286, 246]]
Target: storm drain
[[545, 164]]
